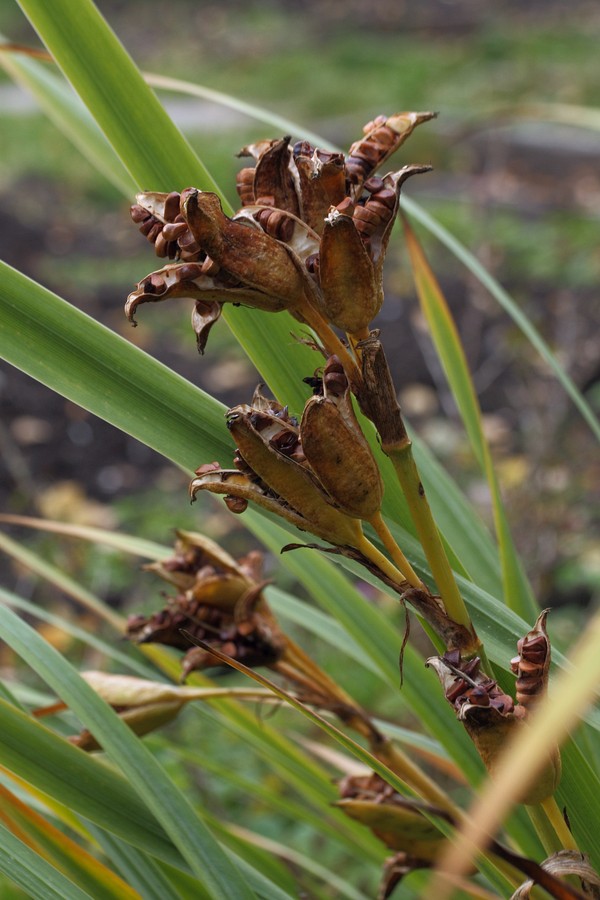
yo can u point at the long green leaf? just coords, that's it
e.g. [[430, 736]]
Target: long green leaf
[[517, 590], [150, 146], [508, 304], [81, 782], [57, 848], [173, 810], [140, 870], [102, 372], [68, 113], [36, 876]]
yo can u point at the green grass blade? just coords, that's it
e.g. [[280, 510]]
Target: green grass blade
[[37, 877], [81, 782], [508, 304], [70, 116], [57, 848], [91, 640], [102, 372], [137, 867], [517, 590], [151, 147], [188, 832]]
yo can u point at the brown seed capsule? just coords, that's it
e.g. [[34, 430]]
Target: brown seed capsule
[[532, 665], [276, 223], [341, 459], [352, 294], [287, 478], [273, 178], [251, 256]]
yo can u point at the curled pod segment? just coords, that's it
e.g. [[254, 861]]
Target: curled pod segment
[[532, 665], [382, 137]]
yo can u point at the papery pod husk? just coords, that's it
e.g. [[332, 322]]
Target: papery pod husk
[[382, 137], [127, 690], [163, 206], [490, 720], [562, 864], [301, 239], [352, 293], [341, 459], [258, 148], [141, 719], [231, 483], [322, 185], [187, 280], [532, 665], [194, 550], [291, 482], [379, 238], [243, 251], [398, 826], [274, 184]]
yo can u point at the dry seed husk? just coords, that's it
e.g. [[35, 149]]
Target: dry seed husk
[[273, 178], [352, 294], [398, 826], [245, 252], [341, 459], [291, 482], [322, 185]]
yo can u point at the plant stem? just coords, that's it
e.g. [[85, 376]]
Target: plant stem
[[408, 476], [395, 552], [370, 552], [333, 345], [556, 819]]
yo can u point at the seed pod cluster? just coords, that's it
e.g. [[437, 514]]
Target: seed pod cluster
[[312, 229], [222, 605]]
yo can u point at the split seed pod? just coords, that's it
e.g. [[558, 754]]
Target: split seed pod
[[248, 254], [489, 717], [532, 665], [287, 478], [382, 137], [337, 450]]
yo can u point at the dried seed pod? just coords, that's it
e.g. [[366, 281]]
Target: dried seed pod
[[252, 257], [490, 718], [181, 280], [377, 211], [276, 223], [296, 234], [322, 182], [273, 178], [532, 665], [341, 459], [352, 293], [287, 478], [152, 213], [382, 137]]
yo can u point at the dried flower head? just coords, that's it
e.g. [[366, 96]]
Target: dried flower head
[[312, 232], [219, 601]]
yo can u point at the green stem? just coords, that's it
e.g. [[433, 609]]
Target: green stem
[[370, 552], [395, 552], [408, 476], [559, 826]]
